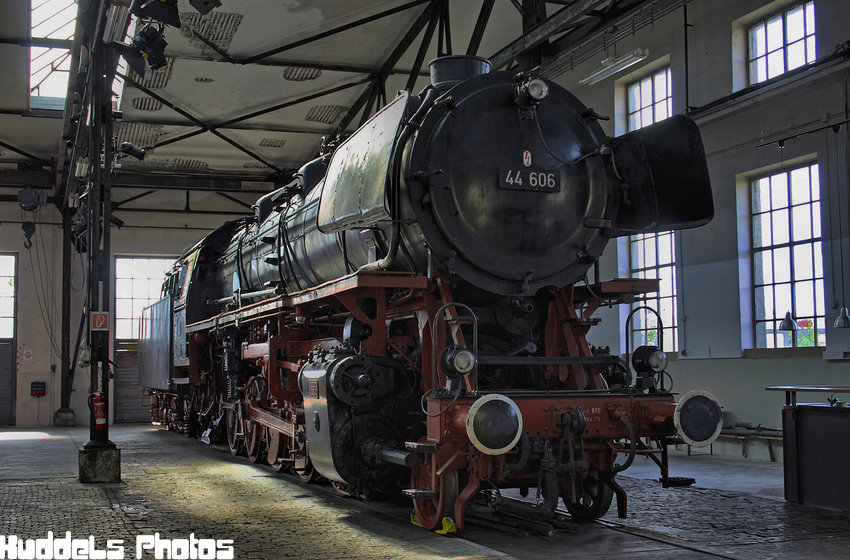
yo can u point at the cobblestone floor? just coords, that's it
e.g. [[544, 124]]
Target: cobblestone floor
[[732, 523], [175, 486]]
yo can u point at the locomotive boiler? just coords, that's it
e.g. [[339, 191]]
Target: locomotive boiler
[[409, 313]]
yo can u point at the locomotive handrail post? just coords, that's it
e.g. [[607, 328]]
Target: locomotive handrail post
[[660, 336]]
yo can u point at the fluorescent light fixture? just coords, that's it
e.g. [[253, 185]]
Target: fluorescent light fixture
[[611, 66]]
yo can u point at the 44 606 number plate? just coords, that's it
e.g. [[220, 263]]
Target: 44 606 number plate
[[529, 179]]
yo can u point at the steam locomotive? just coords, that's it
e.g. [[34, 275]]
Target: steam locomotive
[[410, 312]]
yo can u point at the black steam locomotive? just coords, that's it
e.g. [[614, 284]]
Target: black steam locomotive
[[410, 311]]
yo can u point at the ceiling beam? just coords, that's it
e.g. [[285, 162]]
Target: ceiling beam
[[429, 12], [17, 178], [37, 159], [541, 33], [328, 66], [480, 26], [45, 42], [185, 182]]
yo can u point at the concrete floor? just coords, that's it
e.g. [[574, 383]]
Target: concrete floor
[[176, 486]]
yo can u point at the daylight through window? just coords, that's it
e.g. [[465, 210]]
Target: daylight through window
[[787, 258], [138, 283], [782, 42]]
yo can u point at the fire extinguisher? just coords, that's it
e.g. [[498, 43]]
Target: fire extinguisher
[[98, 404]]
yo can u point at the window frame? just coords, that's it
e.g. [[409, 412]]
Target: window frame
[[814, 241], [667, 99], [752, 75], [115, 298]]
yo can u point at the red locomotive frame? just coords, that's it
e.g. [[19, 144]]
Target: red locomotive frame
[[447, 471]]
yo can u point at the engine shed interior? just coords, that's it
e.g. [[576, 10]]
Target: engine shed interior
[[224, 125]]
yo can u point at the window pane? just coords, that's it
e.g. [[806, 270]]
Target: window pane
[[804, 298], [7, 327], [803, 262], [646, 92], [123, 308], [758, 70], [661, 111], [811, 50], [763, 300], [646, 116], [665, 248], [762, 231], [810, 18], [782, 300], [7, 286], [634, 98], [649, 252], [660, 83], [758, 41], [761, 195], [774, 33], [780, 227], [801, 220], [796, 55], [795, 25], [814, 176], [818, 254], [634, 121], [762, 340], [763, 265], [782, 264], [123, 328], [7, 307], [779, 191], [775, 64], [800, 192]]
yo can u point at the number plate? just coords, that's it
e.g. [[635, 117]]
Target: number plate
[[529, 179]]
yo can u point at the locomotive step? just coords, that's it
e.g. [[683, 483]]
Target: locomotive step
[[421, 494]]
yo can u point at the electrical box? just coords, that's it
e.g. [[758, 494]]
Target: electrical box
[[38, 388]]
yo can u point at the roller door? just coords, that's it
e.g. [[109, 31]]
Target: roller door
[[131, 404], [7, 382]]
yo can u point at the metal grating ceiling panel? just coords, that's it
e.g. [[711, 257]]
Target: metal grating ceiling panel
[[146, 104], [272, 142], [138, 134], [218, 27], [254, 165], [301, 73], [327, 114], [178, 164], [155, 79]]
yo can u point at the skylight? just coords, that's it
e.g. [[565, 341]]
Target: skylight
[[50, 66]]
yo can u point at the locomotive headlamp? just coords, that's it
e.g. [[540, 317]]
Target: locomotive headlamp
[[537, 89], [649, 359], [458, 361], [494, 424], [531, 92]]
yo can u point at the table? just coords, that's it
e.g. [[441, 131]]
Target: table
[[791, 391]]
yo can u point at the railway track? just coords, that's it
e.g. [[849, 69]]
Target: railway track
[[508, 536]]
